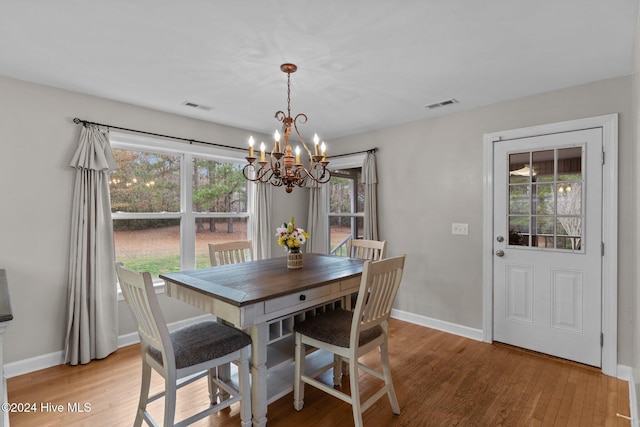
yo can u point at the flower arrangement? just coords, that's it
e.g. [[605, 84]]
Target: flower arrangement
[[291, 237]]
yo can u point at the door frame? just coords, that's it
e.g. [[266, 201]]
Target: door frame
[[609, 125]]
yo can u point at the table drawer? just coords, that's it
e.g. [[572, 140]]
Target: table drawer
[[351, 284], [292, 299]]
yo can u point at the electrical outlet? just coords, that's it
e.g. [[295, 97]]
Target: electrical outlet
[[461, 229]]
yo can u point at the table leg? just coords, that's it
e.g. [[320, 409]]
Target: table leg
[[259, 335], [4, 416]]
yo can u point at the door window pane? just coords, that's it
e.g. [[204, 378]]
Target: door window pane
[[570, 198], [545, 198], [519, 230], [570, 164], [519, 168], [544, 225], [543, 164], [519, 199]]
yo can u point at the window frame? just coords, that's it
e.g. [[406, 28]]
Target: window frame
[[187, 216], [345, 162]]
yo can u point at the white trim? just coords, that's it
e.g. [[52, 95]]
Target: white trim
[[32, 364], [623, 372], [169, 146], [158, 286], [441, 325], [609, 125], [633, 401], [56, 358], [346, 162]]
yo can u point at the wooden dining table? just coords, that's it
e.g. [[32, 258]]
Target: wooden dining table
[[265, 299]]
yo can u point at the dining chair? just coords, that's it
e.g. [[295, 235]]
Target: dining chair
[[230, 252], [193, 351], [351, 334], [373, 250]]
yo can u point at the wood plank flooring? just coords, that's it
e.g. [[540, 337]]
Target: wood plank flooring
[[440, 379]]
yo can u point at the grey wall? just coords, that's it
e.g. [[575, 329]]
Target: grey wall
[[635, 363], [431, 175], [37, 140]]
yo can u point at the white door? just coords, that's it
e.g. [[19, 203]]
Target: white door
[[547, 244]]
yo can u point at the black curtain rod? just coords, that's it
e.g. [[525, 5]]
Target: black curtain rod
[[371, 150], [190, 141]]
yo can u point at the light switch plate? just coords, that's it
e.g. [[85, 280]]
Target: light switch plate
[[461, 229]]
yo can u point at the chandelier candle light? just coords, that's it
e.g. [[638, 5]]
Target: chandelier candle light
[[282, 168]]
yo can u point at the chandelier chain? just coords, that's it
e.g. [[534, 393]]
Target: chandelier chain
[[289, 94]]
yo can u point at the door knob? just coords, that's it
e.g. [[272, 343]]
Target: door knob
[[500, 253]]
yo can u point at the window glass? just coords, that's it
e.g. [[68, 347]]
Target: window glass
[[519, 168], [151, 230], [551, 216], [151, 245], [346, 208], [220, 200], [145, 182]]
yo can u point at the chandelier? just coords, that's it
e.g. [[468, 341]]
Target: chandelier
[[283, 169]]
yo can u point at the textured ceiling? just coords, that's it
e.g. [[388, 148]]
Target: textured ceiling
[[362, 64]]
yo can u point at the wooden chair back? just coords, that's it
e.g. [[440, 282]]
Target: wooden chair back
[[230, 252], [378, 289], [137, 289], [373, 250]]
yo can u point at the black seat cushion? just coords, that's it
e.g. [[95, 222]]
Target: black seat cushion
[[202, 342], [334, 327]]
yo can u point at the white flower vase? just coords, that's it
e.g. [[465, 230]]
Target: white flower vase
[[294, 259]]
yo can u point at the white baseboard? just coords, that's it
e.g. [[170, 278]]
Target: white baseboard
[[633, 399], [623, 372], [441, 325], [56, 358], [32, 364]]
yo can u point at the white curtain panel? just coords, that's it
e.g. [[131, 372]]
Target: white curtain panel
[[261, 225], [315, 221], [92, 322], [370, 179]]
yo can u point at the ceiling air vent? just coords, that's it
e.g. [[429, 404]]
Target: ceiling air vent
[[198, 106], [441, 103]]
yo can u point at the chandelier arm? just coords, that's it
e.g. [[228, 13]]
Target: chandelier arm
[[280, 116], [260, 175], [302, 119], [324, 177]]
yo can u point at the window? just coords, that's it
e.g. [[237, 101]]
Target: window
[[346, 208], [545, 199], [150, 191]]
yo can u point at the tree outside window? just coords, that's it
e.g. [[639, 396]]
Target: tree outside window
[[149, 223]]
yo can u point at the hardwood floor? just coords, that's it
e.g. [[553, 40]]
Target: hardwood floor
[[440, 379]]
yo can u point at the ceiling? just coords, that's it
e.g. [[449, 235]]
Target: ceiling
[[362, 64]]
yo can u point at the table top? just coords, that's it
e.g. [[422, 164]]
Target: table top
[[5, 303], [254, 281]]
